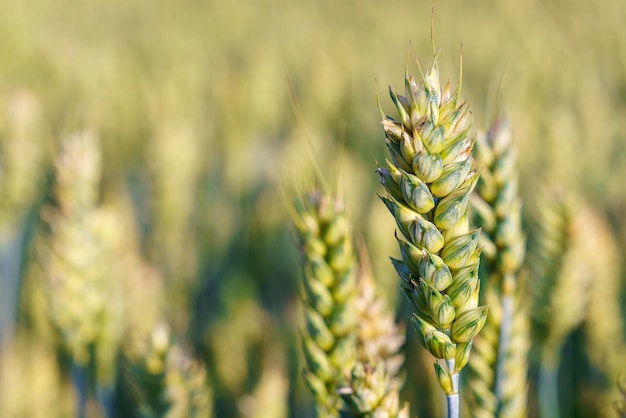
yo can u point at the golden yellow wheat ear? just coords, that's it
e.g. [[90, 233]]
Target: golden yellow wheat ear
[[329, 296], [499, 365], [429, 177]]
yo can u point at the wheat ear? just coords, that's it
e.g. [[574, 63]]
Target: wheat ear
[[329, 338], [499, 366], [167, 381], [604, 323], [373, 387], [429, 178], [371, 393], [560, 283], [81, 293]]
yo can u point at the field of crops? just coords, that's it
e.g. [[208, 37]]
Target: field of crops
[[172, 174]]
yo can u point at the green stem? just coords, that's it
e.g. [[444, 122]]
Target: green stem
[[548, 386], [453, 398], [79, 381]]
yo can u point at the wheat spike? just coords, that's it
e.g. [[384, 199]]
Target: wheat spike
[[429, 178], [561, 278], [604, 323], [329, 339], [499, 366], [80, 286], [560, 268], [371, 393], [167, 381], [74, 255]]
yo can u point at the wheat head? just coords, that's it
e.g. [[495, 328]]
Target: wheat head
[[330, 291], [499, 366], [429, 178]]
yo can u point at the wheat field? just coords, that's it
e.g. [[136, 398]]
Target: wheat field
[[191, 221]]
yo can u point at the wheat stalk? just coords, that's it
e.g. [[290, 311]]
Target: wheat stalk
[[498, 369], [329, 339], [429, 178]]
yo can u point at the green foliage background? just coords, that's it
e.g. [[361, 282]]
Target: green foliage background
[[221, 71]]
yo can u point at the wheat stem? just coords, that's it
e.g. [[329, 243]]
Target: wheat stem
[[547, 386]]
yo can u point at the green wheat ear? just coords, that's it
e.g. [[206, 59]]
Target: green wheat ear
[[561, 279], [372, 390], [499, 366], [604, 322], [429, 177], [167, 381], [371, 393], [329, 296]]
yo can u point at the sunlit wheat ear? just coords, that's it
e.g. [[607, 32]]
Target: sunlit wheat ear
[[81, 288], [429, 177], [561, 276], [370, 393], [329, 296], [499, 365], [75, 274]]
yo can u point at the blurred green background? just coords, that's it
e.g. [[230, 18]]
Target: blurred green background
[[209, 113]]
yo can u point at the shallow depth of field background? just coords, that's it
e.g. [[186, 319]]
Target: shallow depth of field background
[[203, 109]]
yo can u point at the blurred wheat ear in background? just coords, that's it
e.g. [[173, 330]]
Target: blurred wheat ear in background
[[329, 291], [499, 367]]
